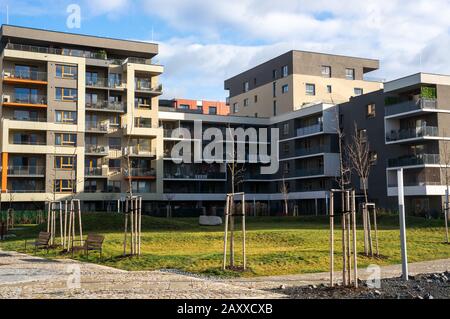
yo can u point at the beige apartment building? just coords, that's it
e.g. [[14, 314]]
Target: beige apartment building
[[297, 79]]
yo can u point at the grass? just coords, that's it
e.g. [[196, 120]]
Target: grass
[[275, 246]]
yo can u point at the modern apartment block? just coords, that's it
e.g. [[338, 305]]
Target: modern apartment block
[[195, 106], [406, 125], [73, 107], [297, 79]]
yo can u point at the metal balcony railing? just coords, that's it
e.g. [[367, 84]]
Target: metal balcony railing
[[106, 106], [25, 99], [96, 149], [303, 172], [312, 129], [26, 191], [423, 131], [144, 86], [409, 106], [194, 175], [38, 143], [26, 170], [25, 75], [30, 119], [140, 172], [93, 171], [413, 160], [104, 83], [96, 126], [313, 150], [139, 150]]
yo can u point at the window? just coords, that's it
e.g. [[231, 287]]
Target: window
[[29, 96], [246, 86], [114, 120], [115, 143], [329, 89], [20, 115], [373, 158], [212, 110], [66, 71], [285, 128], [65, 162], [359, 91], [363, 135], [284, 71], [285, 89], [91, 99], [27, 72], [274, 74], [286, 168], [90, 186], [350, 74], [286, 148], [183, 107], [114, 186], [245, 102], [256, 98], [64, 186], [310, 89], [67, 117], [140, 187], [274, 89], [274, 108], [143, 122], [66, 94], [91, 78], [143, 103], [235, 108], [254, 81], [371, 110], [115, 80], [65, 139], [326, 71]]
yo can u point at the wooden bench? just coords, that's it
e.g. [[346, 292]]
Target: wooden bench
[[43, 241], [93, 242]]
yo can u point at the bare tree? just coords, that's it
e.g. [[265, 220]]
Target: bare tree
[[444, 162], [284, 190], [236, 170], [344, 178]]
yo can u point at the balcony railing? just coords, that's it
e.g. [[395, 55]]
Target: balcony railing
[[193, 175], [76, 53], [30, 119], [96, 149], [313, 150], [106, 106], [423, 131], [97, 127], [25, 75], [168, 132], [26, 191], [303, 172], [409, 106], [25, 99], [29, 143], [312, 129], [104, 83], [420, 159], [140, 172], [143, 86], [26, 170], [93, 171], [139, 151]]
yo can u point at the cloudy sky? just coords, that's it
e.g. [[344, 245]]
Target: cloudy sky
[[204, 42]]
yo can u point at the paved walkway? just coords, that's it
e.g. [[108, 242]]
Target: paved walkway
[[24, 276]]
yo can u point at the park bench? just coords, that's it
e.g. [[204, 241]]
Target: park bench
[[43, 241], [93, 242]]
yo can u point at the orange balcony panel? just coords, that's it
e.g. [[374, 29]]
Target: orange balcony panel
[[24, 81], [4, 171], [15, 104]]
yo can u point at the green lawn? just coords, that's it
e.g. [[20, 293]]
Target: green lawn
[[275, 246]]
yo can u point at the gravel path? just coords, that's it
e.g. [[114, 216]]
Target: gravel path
[[23, 276]]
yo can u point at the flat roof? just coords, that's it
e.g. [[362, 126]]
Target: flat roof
[[416, 79], [25, 35]]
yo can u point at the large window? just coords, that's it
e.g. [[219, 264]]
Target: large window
[[64, 186], [66, 71], [245, 102], [142, 102], [20, 115], [115, 143], [246, 86], [140, 187], [212, 110], [371, 110], [27, 72], [310, 89], [66, 94], [91, 78], [326, 71], [350, 74], [91, 98], [28, 96], [284, 71], [235, 108], [65, 139], [114, 187], [65, 162], [67, 117]]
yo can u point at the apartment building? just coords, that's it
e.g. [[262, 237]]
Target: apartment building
[[406, 125], [297, 79], [73, 108], [195, 106]]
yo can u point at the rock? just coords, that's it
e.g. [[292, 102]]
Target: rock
[[428, 296], [377, 292], [210, 221], [282, 287]]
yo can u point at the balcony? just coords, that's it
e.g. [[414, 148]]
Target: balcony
[[40, 119], [415, 160], [146, 87], [95, 172], [104, 83], [308, 130], [106, 106], [140, 173], [410, 106], [76, 53], [26, 171], [304, 172], [195, 176], [314, 150], [29, 142], [26, 191], [97, 150], [96, 127], [418, 132], [24, 100], [25, 77], [139, 151]]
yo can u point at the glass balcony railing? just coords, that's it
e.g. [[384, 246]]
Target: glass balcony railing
[[25, 75], [30, 118], [146, 86], [423, 131], [25, 99], [314, 150], [303, 172], [106, 106], [413, 160], [97, 127], [26, 170], [312, 129], [140, 172], [104, 83], [93, 171], [26, 191], [409, 106], [28, 142], [96, 149], [194, 175]]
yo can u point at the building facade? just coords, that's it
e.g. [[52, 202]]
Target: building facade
[[297, 79], [195, 106]]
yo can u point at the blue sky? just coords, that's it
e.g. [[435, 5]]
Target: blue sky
[[204, 42]]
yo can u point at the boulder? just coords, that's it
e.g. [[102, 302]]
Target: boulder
[[210, 221]]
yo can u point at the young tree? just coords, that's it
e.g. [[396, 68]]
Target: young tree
[[284, 190], [444, 162]]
